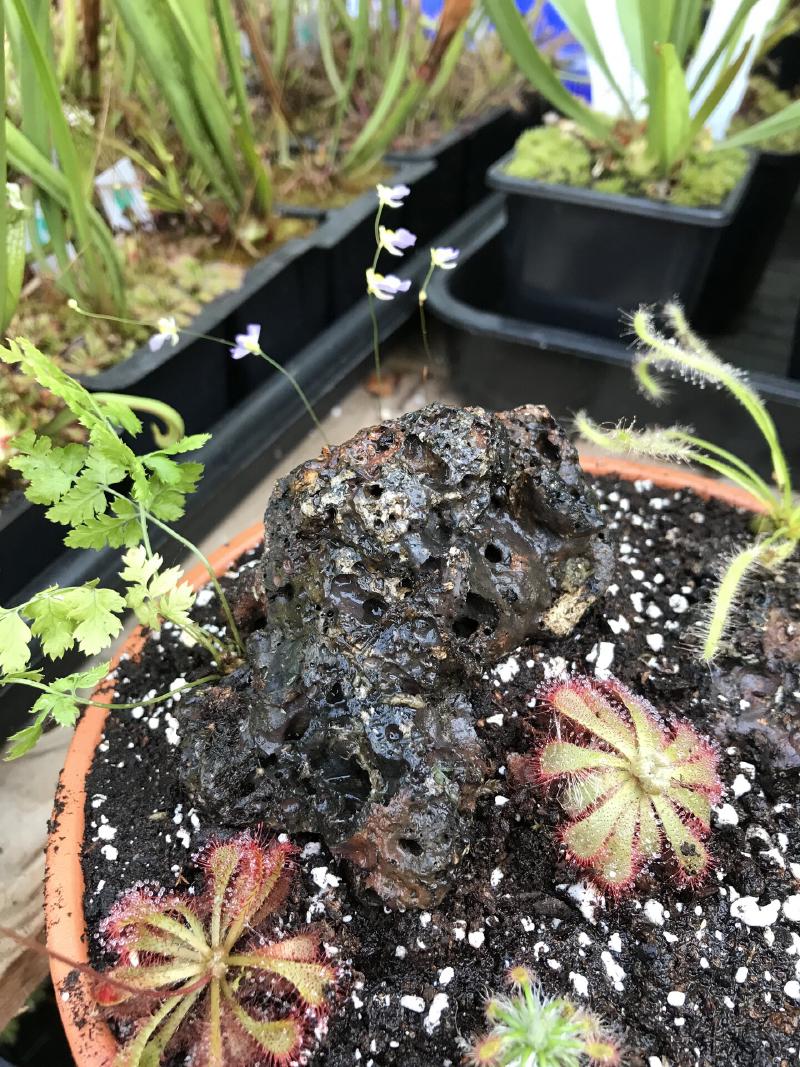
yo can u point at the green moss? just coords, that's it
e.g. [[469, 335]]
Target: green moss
[[708, 177], [551, 154], [763, 100], [561, 155], [616, 185]]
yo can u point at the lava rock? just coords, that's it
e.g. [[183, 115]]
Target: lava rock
[[398, 568]]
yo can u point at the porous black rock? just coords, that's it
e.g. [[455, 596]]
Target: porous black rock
[[397, 569]]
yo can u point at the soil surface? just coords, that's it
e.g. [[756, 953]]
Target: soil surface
[[707, 976]]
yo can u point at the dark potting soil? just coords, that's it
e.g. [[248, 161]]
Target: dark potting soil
[[707, 976]]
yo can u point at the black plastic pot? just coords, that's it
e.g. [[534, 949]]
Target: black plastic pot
[[245, 445], [287, 291], [745, 247], [499, 360], [576, 256], [462, 157]]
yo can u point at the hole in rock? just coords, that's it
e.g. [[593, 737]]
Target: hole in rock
[[335, 694], [393, 732], [410, 845], [373, 608], [480, 612], [493, 554], [348, 779], [297, 726], [463, 626], [375, 490], [545, 447]]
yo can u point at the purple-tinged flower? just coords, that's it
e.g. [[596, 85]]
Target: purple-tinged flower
[[247, 344], [385, 288], [392, 195], [167, 331], [444, 258], [395, 242]]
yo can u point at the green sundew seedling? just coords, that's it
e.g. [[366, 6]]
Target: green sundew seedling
[[632, 783], [210, 980], [528, 1029], [685, 355]]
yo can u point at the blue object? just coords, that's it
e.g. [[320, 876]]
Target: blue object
[[550, 24]]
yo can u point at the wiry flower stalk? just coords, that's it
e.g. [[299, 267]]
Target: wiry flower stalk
[[632, 783]]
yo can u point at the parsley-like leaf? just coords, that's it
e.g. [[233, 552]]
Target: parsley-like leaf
[[96, 613], [15, 636], [49, 471]]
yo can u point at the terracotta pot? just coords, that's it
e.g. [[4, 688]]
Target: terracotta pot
[[90, 1039]]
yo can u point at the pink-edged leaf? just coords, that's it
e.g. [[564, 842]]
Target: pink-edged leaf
[[697, 804], [579, 702], [278, 1039], [141, 919], [563, 757], [619, 861], [686, 844], [650, 840], [586, 837], [650, 737], [584, 791], [246, 880]]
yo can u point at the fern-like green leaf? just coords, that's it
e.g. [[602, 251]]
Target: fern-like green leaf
[[48, 470], [15, 636]]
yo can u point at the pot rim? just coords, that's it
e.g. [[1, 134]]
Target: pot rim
[[90, 1039]]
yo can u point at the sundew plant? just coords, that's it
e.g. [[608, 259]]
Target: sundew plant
[[201, 972], [528, 1029], [681, 353], [634, 788]]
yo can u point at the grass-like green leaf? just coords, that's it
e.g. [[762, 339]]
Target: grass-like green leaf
[[515, 35]]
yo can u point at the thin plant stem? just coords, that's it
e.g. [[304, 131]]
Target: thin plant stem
[[88, 702], [226, 344], [299, 390], [376, 338], [423, 325], [376, 349], [195, 551], [226, 608]]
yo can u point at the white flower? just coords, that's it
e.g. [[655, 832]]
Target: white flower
[[395, 242], [444, 258], [392, 195], [167, 331], [247, 343], [385, 288]]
